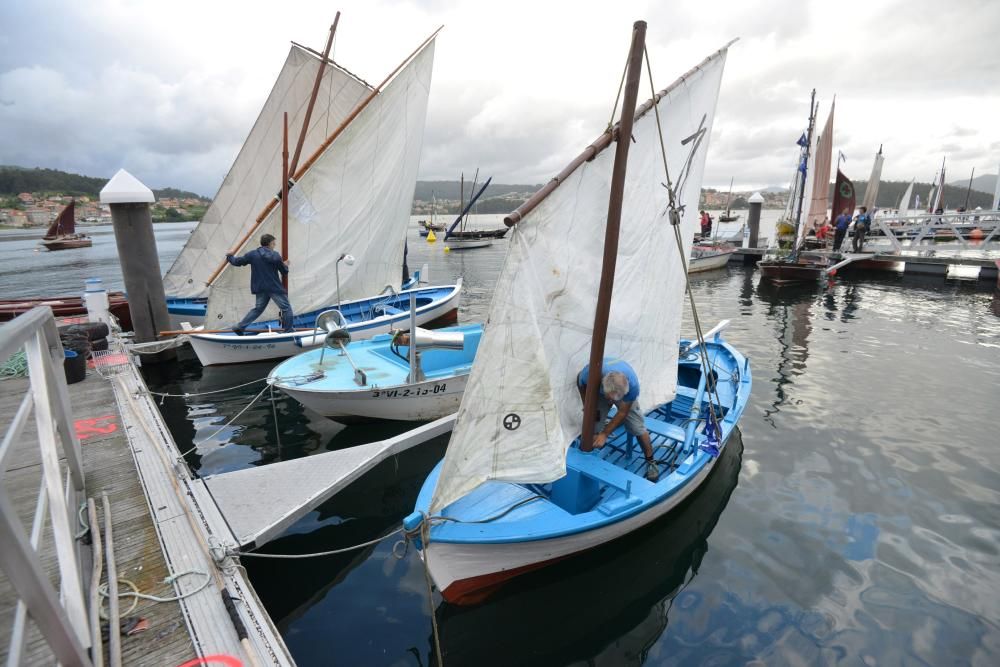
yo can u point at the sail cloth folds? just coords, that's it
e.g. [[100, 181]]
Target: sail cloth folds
[[821, 175], [871, 191], [255, 175], [354, 199], [521, 409]]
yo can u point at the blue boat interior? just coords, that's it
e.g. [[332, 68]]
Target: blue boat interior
[[608, 484], [318, 370]]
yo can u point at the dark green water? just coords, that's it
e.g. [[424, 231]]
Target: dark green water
[[855, 522]]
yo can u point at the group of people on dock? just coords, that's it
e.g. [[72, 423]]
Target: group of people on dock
[[862, 226]]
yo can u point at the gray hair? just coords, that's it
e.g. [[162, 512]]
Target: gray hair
[[615, 383]]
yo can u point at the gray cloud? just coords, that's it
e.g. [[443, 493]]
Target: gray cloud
[[115, 86]]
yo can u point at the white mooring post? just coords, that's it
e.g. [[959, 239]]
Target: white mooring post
[[133, 222]]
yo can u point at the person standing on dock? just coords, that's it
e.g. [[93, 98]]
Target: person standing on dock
[[619, 387], [862, 223], [266, 269], [841, 224]]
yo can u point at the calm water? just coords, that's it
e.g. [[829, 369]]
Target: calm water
[[854, 522]]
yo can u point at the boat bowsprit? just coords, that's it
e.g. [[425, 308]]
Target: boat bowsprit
[[503, 529], [365, 318], [372, 379]]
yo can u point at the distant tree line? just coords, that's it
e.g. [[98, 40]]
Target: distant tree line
[[453, 189], [15, 180], [890, 192]]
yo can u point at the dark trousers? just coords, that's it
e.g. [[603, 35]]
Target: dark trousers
[[280, 300], [859, 238], [838, 238]]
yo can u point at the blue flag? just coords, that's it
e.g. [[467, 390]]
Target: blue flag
[[803, 141], [711, 444]]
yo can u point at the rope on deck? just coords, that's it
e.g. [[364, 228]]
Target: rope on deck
[[16, 366]]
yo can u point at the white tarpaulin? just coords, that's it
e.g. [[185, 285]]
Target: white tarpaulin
[[521, 408], [255, 175], [354, 199]]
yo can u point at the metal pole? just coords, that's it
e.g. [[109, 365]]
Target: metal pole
[[969, 191], [603, 309], [413, 337], [312, 100]]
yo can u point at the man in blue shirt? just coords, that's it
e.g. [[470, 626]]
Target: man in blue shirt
[[840, 229], [862, 224], [619, 387], [266, 270]]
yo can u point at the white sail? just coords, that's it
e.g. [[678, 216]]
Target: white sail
[[931, 198], [996, 193], [521, 409], [904, 203], [354, 199], [871, 190], [821, 159], [256, 173]]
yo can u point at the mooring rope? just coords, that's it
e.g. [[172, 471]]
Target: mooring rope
[[136, 595], [15, 366], [205, 393]]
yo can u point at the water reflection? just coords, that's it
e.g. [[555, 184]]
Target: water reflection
[[789, 309], [608, 606]]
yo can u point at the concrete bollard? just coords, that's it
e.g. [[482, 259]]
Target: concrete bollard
[[133, 223], [756, 202]]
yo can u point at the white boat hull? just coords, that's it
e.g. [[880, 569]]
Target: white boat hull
[[217, 349], [699, 264], [465, 573], [468, 244], [421, 401]]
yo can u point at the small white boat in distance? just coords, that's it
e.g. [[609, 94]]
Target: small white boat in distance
[[709, 256], [374, 379]]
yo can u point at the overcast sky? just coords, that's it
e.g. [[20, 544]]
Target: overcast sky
[[169, 90]]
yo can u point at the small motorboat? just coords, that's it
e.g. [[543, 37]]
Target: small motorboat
[[383, 378], [467, 244]]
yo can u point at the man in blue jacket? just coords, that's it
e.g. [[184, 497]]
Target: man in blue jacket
[[266, 270], [619, 387], [862, 225], [840, 229]]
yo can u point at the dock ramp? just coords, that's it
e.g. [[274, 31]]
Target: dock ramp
[[259, 504]]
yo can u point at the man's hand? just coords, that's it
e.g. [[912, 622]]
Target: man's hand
[[287, 262], [600, 440]]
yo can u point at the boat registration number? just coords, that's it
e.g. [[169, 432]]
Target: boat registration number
[[404, 393]]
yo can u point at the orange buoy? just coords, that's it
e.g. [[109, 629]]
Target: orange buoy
[[976, 234]]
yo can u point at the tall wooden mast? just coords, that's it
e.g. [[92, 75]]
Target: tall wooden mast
[[284, 202], [607, 283]]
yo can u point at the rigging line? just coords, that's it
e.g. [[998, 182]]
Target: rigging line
[[618, 97], [675, 223], [224, 426], [425, 533]]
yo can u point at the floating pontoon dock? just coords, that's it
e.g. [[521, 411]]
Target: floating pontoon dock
[[105, 435]]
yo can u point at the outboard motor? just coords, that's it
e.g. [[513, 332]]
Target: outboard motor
[[424, 339]]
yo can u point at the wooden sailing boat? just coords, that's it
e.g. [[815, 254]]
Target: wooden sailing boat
[[517, 488], [462, 238], [62, 235], [798, 266], [349, 201], [727, 216]]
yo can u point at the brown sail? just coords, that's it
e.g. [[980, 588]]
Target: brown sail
[[65, 223]]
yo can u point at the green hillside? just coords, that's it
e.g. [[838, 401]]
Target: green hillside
[[14, 180]]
